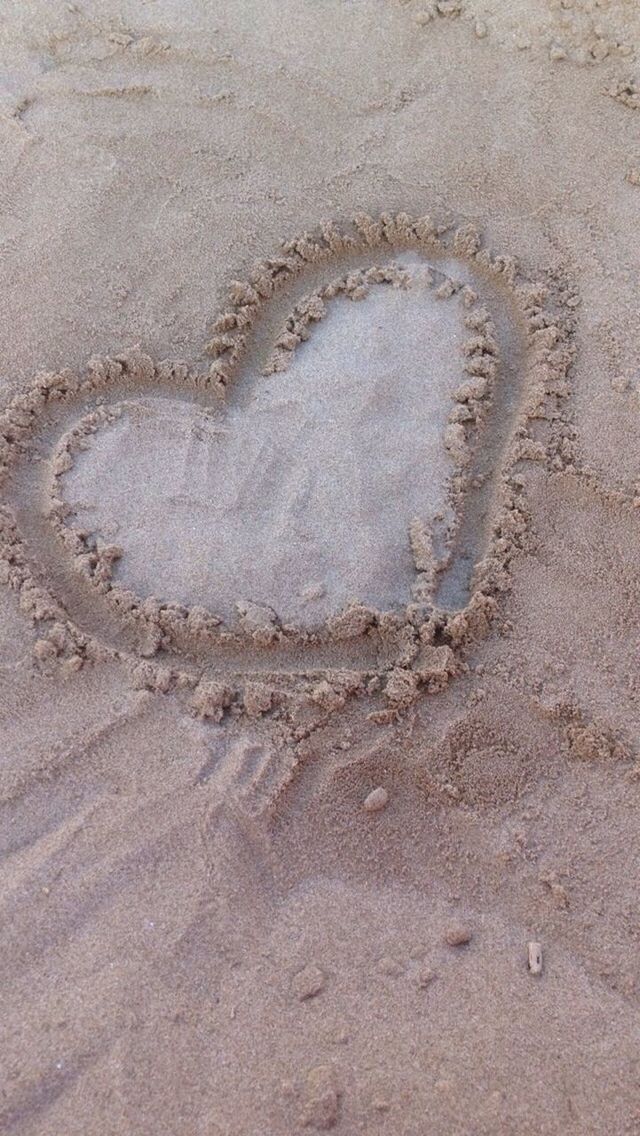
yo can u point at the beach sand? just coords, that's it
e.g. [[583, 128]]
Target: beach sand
[[319, 542]]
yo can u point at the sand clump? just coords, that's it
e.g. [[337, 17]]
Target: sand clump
[[626, 92], [582, 32], [308, 982], [458, 935], [320, 1099], [211, 699]]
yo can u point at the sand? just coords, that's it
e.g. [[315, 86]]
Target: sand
[[301, 479], [319, 545]]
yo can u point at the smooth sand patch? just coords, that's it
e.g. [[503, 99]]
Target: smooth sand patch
[[300, 495]]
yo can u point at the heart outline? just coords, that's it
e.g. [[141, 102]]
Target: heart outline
[[407, 662]]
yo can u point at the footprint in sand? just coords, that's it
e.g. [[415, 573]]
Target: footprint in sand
[[339, 489]]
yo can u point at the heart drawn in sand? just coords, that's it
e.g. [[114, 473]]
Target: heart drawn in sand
[[338, 491]]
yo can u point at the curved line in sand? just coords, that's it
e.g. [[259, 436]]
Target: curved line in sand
[[87, 613]]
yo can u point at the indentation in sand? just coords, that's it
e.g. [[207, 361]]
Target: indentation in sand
[[323, 383], [300, 497]]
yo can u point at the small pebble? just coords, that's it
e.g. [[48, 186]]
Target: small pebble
[[376, 800], [308, 982], [534, 958], [556, 52], [633, 176], [457, 935]]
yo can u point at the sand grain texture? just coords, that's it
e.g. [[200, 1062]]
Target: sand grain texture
[[319, 545]]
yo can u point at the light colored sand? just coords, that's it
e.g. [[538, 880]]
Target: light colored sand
[[202, 929], [300, 496]]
